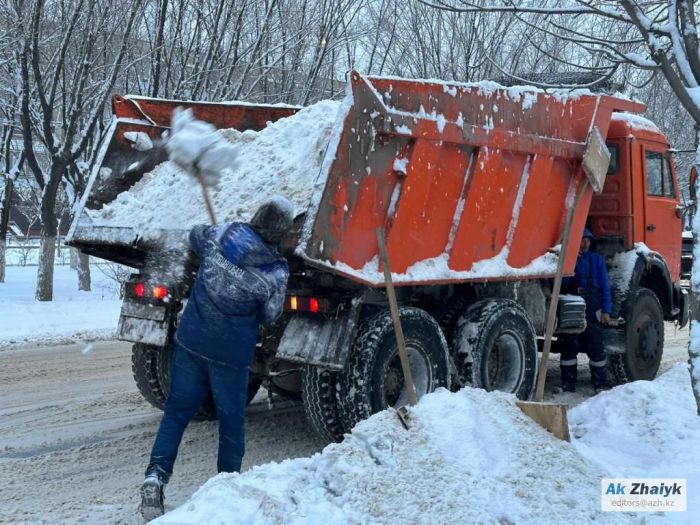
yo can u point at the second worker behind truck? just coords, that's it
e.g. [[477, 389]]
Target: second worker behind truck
[[591, 282], [241, 283]]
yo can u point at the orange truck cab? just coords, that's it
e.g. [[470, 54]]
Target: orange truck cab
[[472, 185], [640, 200], [638, 223]]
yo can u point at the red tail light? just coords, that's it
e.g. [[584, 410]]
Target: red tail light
[[147, 291], [314, 305]]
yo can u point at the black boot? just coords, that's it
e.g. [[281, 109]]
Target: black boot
[[599, 378], [152, 499], [568, 377]]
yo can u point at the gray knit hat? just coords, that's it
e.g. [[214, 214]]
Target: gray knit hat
[[273, 219]]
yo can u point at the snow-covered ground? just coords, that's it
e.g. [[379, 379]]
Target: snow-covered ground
[[74, 428], [74, 425], [474, 457], [72, 315]]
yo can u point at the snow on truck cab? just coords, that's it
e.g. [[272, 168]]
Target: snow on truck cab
[[470, 182]]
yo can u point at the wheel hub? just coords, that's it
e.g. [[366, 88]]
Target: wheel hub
[[395, 391], [501, 370], [648, 341], [393, 383]]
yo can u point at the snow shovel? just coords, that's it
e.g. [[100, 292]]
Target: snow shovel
[[205, 195], [402, 412], [552, 416]]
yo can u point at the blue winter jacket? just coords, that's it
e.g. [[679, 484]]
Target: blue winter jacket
[[591, 275], [241, 283]]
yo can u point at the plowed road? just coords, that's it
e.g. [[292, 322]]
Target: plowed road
[[75, 434]]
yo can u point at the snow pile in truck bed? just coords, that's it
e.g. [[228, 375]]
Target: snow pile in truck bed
[[473, 457], [283, 158], [636, 121], [438, 268]]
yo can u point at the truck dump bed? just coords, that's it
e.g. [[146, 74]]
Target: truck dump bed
[[469, 182]]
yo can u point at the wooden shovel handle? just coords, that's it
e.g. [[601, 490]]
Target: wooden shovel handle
[[207, 200], [554, 301], [393, 306]]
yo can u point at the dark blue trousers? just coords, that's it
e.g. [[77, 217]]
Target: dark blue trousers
[[192, 377], [591, 342]]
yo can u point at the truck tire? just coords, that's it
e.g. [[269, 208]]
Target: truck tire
[[496, 347], [372, 379], [144, 367], [320, 402], [645, 339]]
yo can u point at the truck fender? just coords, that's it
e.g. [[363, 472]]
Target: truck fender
[[649, 271], [320, 340]]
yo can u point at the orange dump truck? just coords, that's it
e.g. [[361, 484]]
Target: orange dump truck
[[472, 184]]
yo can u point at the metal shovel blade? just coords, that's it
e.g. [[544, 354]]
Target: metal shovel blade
[[550, 416]]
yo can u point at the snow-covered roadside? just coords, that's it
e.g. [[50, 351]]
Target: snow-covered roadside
[[72, 315], [473, 457]]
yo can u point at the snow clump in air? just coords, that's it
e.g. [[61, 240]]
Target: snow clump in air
[[198, 148]]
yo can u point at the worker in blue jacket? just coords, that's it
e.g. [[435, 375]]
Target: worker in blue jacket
[[590, 281], [241, 283]]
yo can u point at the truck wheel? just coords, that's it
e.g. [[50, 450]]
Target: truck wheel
[[373, 380], [645, 339], [144, 366], [320, 402], [496, 347]]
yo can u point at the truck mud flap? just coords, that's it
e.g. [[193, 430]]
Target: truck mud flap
[[683, 306], [614, 340], [142, 323], [318, 340]]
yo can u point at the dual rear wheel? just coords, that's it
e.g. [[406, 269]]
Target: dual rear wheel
[[493, 348]]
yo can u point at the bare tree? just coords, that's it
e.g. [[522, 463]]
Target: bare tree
[[12, 167], [65, 83]]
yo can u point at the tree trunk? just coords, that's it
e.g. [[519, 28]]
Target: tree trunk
[[73, 262], [3, 249], [84, 283], [4, 221], [694, 343], [49, 231], [47, 253], [159, 50], [694, 358]]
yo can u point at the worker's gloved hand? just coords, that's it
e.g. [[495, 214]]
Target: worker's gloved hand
[[604, 318]]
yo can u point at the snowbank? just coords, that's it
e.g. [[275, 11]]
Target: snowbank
[[71, 315], [472, 457], [284, 158], [646, 428]]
